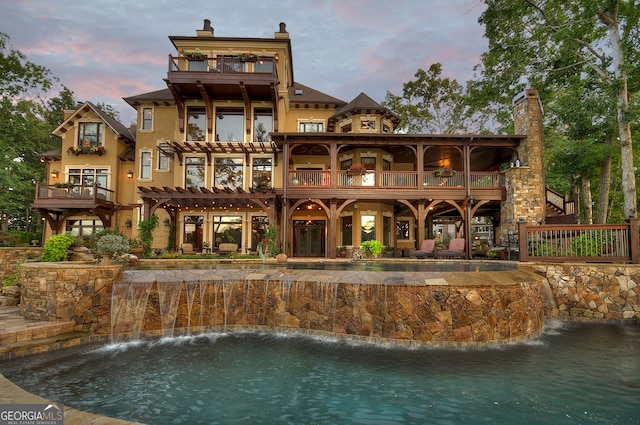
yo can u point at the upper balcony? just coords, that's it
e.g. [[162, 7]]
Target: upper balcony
[[67, 197], [390, 184], [223, 77]]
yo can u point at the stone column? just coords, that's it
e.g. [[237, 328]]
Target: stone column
[[525, 184]]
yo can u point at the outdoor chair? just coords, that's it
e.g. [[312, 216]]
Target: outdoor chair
[[455, 250], [426, 249], [187, 248]]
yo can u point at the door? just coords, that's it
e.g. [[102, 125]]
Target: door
[[309, 238]]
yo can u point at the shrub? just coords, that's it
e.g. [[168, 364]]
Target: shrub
[[57, 247], [373, 247], [114, 244], [146, 228]]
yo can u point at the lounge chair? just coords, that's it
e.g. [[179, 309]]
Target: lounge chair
[[426, 249], [187, 249], [455, 250]]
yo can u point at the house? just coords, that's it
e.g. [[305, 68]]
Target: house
[[234, 144]]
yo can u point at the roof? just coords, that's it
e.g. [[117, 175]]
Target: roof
[[299, 93], [363, 104], [162, 95], [116, 126]]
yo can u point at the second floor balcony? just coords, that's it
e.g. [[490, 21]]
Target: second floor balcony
[[231, 76], [491, 184], [72, 196]]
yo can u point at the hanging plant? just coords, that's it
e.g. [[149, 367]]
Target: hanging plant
[[248, 57], [444, 172]]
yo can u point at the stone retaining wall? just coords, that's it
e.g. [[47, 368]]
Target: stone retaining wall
[[592, 291], [10, 257], [66, 291]]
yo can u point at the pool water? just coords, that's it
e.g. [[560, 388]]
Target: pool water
[[575, 373]]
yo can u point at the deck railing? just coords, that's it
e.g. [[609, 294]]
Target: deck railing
[[386, 179], [76, 192], [221, 64], [599, 243]]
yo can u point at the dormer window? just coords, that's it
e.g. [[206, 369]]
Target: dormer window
[[90, 134], [367, 125]]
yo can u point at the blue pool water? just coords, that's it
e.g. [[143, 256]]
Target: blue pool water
[[575, 373]]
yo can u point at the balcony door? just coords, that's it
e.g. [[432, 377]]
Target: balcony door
[[309, 238]]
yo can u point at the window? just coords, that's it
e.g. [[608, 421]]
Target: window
[[84, 227], [261, 173], [90, 134], [145, 165], [227, 172], [386, 231], [264, 66], [311, 127], [367, 125], [164, 155], [344, 165], [230, 125], [368, 227], [402, 229], [147, 119], [345, 128], [346, 225], [89, 176], [227, 229], [196, 123], [194, 172], [193, 230], [386, 129], [386, 165], [262, 125], [368, 162]]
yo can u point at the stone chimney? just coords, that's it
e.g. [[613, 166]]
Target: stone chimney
[[282, 33], [206, 31], [525, 183]]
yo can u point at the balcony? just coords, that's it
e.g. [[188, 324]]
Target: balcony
[[225, 77], [489, 185], [72, 197]]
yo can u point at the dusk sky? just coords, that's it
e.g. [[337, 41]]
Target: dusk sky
[[106, 50]]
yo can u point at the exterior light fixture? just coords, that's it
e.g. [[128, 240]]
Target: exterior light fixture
[[276, 57], [130, 175], [128, 224], [54, 174]]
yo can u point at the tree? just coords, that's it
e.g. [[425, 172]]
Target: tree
[[26, 119], [547, 44], [432, 104]]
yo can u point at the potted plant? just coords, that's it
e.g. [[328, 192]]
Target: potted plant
[[195, 55], [248, 57], [356, 170], [390, 251], [110, 246], [371, 248], [444, 172], [342, 251]]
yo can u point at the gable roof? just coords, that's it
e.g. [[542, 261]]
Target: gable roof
[[122, 132], [363, 104]]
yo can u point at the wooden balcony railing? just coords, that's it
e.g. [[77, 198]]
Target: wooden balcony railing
[[560, 202], [391, 179], [221, 64], [598, 243], [73, 193]]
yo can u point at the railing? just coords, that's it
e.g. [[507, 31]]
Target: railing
[[221, 64], [387, 179], [600, 243], [560, 202], [76, 192]]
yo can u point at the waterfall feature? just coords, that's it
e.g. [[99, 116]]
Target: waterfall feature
[[459, 306]]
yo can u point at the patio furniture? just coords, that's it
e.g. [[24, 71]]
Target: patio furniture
[[455, 250], [426, 249]]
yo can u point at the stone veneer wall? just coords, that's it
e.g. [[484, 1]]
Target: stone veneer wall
[[67, 291], [10, 257], [494, 307], [592, 291], [525, 185]]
